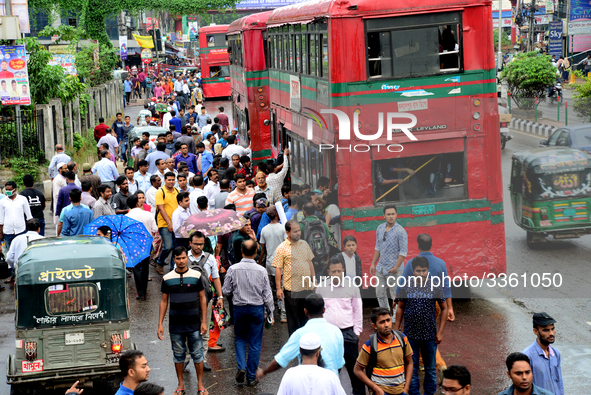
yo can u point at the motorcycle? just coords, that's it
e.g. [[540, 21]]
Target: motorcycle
[[504, 127], [555, 93]]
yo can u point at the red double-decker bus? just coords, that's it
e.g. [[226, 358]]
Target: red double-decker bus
[[250, 82], [425, 68], [213, 54]]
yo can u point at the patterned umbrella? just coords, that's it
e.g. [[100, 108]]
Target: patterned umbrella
[[212, 223], [131, 235]]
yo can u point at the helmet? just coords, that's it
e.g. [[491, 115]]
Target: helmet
[[153, 99]]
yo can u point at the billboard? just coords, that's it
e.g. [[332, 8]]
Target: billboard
[[123, 47], [14, 79], [555, 38]]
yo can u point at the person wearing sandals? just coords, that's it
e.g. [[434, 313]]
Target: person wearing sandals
[[184, 287]]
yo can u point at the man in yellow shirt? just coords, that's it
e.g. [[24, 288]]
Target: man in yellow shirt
[[166, 203]]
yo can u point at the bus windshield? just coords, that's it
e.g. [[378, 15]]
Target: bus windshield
[[219, 71], [217, 40], [558, 185]]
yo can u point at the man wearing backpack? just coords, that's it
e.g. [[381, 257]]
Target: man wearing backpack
[[206, 264], [385, 372], [315, 232]]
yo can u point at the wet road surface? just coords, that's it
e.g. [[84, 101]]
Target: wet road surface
[[484, 333]]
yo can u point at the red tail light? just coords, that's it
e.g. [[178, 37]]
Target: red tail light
[[116, 343], [544, 213], [31, 351]]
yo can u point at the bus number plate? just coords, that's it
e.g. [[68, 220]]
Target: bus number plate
[[113, 358], [422, 210], [74, 338], [569, 212]]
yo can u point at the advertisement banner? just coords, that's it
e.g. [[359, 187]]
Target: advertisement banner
[[506, 22], [555, 38], [144, 41], [146, 55], [20, 8], [580, 43], [193, 29], [579, 27], [123, 47], [580, 10], [14, 79], [63, 56]]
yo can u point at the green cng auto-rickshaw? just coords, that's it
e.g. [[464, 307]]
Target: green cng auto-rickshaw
[[551, 193], [72, 315]]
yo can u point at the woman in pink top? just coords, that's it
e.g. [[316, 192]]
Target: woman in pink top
[[158, 91]]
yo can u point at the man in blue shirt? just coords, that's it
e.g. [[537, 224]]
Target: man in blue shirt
[[127, 86], [206, 159], [78, 217], [63, 198], [545, 359], [519, 371], [154, 156], [202, 118], [105, 168], [135, 370], [391, 248], [117, 127], [176, 122], [59, 157], [333, 350], [186, 157]]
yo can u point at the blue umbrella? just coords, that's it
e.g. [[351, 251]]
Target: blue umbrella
[[131, 235]]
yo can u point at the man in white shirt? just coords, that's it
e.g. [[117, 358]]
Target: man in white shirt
[[179, 216], [155, 183], [59, 181], [20, 243], [141, 271], [162, 168], [133, 185], [111, 140], [309, 378], [166, 118], [233, 149], [106, 170], [193, 196], [212, 189], [13, 211]]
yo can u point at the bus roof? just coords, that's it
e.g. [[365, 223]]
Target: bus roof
[[308, 11], [214, 29], [250, 22]]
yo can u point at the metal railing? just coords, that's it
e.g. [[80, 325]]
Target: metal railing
[[30, 123]]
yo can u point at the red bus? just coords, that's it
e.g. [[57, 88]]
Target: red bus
[[384, 64], [213, 54], [250, 82]]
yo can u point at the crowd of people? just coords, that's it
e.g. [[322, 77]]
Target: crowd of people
[[287, 261]]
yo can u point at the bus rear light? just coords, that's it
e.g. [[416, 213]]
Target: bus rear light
[[476, 102], [477, 127], [476, 115], [31, 351], [261, 97], [116, 343], [262, 104], [503, 124], [260, 90], [544, 213]]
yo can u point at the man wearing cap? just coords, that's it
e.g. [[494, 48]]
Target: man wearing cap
[[309, 377], [59, 157], [544, 359], [332, 340], [58, 182]]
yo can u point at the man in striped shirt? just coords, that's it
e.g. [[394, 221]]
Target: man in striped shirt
[[393, 370], [242, 196], [249, 286]]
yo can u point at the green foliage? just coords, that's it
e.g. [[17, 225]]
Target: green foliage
[[21, 167], [84, 146], [68, 33], [78, 142], [582, 95], [505, 42], [87, 67], [528, 76]]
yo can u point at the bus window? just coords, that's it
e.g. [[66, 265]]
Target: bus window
[[439, 176], [314, 168], [285, 52], [217, 40], [266, 49], [278, 52], [305, 51], [219, 71], [324, 55], [290, 46], [414, 45], [298, 51], [313, 54], [302, 171]]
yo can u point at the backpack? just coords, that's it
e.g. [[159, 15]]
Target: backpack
[[200, 267], [316, 237], [163, 197], [373, 354], [231, 256]]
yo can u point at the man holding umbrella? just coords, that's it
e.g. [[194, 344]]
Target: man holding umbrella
[[141, 271]]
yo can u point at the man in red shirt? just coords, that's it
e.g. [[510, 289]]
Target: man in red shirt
[[224, 122], [100, 130]]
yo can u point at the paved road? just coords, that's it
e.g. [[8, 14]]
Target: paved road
[[484, 333]]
